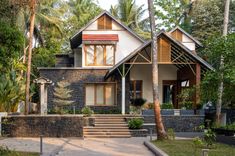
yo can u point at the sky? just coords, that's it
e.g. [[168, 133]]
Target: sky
[[106, 4]]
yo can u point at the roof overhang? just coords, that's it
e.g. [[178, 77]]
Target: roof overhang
[[177, 48], [76, 39]]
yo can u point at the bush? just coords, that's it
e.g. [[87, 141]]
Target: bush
[[167, 106], [5, 151], [135, 123], [138, 102], [170, 134], [86, 111]]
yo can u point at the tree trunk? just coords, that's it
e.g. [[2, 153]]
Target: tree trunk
[[31, 30], [221, 79], [161, 133]]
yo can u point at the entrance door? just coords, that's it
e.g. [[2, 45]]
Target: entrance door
[[170, 92]]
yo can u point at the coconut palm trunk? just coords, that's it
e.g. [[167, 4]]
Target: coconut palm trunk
[[161, 133], [32, 6], [221, 80]]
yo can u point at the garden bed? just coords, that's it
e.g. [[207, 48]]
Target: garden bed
[[187, 148]]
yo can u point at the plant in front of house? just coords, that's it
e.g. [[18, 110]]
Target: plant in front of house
[[62, 94], [135, 123], [86, 111], [136, 105], [185, 98], [170, 134], [167, 106]]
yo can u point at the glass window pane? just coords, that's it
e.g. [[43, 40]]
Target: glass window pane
[[99, 94], [109, 94], [99, 55], [138, 85], [90, 54], [109, 54], [90, 95]]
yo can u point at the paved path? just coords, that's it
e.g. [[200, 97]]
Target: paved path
[[80, 147]]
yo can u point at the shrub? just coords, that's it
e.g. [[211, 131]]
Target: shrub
[[167, 106], [5, 151], [171, 134], [135, 123], [86, 111], [138, 102]]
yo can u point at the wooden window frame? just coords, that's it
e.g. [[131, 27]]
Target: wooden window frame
[[104, 95], [95, 54], [134, 87]]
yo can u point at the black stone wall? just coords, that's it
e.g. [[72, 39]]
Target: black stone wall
[[78, 77], [182, 123], [48, 126]]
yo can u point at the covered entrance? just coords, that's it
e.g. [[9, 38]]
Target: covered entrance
[[179, 68]]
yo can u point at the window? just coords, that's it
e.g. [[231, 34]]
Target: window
[[136, 89], [104, 22], [100, 94], [99, 55]]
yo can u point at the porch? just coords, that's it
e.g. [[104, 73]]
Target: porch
[[179, 69]]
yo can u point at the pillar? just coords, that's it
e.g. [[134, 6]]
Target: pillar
[[198, 81], [43, 105], [123, 94]]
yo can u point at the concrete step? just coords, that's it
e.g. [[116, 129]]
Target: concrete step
[[106, 130], [106, 133], [109, 122], [111, 125], [107, 136]]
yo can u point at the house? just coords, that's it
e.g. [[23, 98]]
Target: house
[[109, 65]]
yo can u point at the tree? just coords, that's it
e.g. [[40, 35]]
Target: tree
[[131, 15], [173, 13], [161, 133], [207, 19], [221, 80], [62, 95], [32, 6]]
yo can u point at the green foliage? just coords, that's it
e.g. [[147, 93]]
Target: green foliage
[[86, 111], [135, 123], [167, 106], [207, 17], [11, 46], [209, 137], [131, 15], [216, 47], [62, 94], [170, 13], [186, 97], [11, 91], [170, 134]]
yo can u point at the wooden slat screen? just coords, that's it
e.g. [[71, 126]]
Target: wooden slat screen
[[164, 50], [177, 35], [104, 22], [101, 22]]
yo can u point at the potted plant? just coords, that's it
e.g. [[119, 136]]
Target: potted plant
[[136, 105]]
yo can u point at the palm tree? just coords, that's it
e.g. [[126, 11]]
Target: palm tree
[[131, 15], [221, 79], [161, 133]]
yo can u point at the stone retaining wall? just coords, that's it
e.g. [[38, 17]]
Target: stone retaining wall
[[48, 126], [187, 123]]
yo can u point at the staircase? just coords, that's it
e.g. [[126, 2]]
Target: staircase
[[108, 126]]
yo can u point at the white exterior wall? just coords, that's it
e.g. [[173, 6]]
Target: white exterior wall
[[190, 44], [127, 42], [144, 72]]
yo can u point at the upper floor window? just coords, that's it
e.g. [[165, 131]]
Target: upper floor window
[[99, 55], [104, 23]]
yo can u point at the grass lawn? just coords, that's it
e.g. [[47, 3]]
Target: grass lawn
[[186, 148], [20, 154]]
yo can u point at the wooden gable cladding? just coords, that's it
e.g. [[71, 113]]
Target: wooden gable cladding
[[104, 23], [164, 50], [177, 35]]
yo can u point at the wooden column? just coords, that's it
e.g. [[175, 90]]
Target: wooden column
[[198, 81]]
